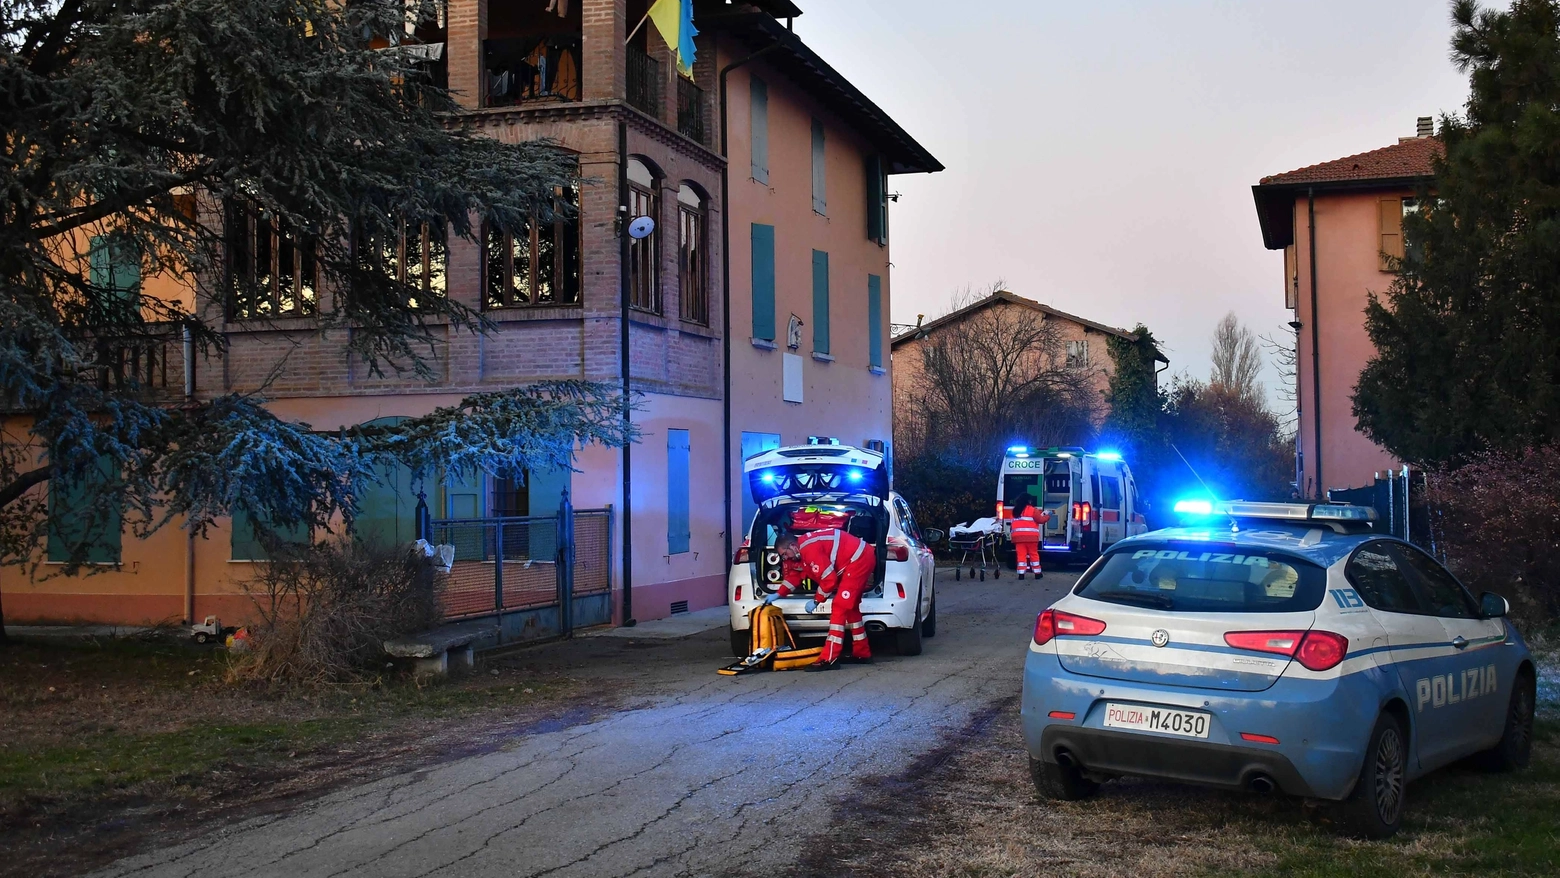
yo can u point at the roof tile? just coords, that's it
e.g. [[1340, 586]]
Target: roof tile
[[1410, 157]]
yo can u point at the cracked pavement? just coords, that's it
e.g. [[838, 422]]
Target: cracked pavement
[[698, 775]]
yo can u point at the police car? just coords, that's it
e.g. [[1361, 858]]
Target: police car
[[802, 488], [1274, 647]]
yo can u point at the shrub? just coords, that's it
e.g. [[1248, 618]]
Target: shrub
[[942, 493], [326, 609], [1497, 520]]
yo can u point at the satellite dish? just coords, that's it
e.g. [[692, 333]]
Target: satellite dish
[[641, 227]]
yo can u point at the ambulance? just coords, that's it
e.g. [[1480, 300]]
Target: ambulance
[[1091, 496]]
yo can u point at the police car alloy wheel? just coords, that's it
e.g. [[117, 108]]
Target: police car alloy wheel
[[1375, 809], [1516, 741]]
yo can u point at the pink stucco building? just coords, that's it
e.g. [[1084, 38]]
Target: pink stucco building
[[767, 147], [1339, 224]]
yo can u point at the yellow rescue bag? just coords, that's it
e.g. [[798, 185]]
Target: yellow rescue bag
[[771, 644]]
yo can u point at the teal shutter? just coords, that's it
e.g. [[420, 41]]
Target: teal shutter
[[819, 177], [877, 207], [86, 515], [820, 302], [677, 530], [115, 267], [763, 281], [247, 544], [874, 321], [758, 109], [753, 443], [387, 508]]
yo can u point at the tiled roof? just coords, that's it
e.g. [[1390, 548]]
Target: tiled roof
[[1013, 298], [1411, 157]]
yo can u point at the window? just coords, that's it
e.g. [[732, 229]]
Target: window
[[86, 515], [877, 200], [272, 272], [1077, 354], [114, 270], [538, 265], [644, 289], [677, 527], [1188, 577], [1412, 252], [758, 110], [250, 543], [1439, 591], [511, 498], [1110, 492], [692, 281], [874, 321], [819, 176], [414, 254], [763, 281], [820, 285], [1375, 574]]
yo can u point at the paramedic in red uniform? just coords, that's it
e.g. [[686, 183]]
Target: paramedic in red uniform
[[1026, 538], [842, 567]]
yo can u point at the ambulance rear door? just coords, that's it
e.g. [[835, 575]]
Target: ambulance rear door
[[1110, 511], [1063, 484]]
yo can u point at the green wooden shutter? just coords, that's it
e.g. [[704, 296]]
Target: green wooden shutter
[[820, 265], [763, 281], [115, 267], [819, 177], [86, 515], [247, 544], [877, 208], [874, 321], [758, 109], [677, 530]]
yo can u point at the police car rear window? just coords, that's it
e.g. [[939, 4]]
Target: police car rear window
[[1200, 579]]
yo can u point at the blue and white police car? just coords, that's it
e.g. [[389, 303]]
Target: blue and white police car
[[1274, 647]]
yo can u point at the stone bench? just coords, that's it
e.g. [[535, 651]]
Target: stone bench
[[432, 651]]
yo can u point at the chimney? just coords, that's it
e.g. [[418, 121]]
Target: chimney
[[1426, 127]]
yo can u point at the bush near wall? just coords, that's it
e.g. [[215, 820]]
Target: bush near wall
[[942, 492], [1497, 521]]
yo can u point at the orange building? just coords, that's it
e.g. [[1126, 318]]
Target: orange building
[[1340, 223], [798, 167]]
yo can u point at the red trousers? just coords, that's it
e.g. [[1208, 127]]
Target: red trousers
[[845, 615], [1028, 557]]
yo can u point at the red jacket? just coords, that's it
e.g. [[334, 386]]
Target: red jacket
[[1027, 529], [830, 557]]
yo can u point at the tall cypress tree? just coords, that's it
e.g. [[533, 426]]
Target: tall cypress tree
[[1468, 336]]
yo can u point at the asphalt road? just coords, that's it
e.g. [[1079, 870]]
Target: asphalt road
[[701, 775]]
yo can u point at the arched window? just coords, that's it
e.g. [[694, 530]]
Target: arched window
[[538, 265], [644, 290], [692, 281]]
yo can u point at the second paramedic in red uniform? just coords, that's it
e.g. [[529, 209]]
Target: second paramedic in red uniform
[[842, 567], [1026, 538]]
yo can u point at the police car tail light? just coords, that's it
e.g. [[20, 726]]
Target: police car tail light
[[1055, 623], [1315, 650], [898, 549]]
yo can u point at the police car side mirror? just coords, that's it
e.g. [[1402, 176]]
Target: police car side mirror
[[1493, 606], [933, 535]]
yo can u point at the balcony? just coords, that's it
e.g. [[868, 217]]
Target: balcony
[[690, 111], [532, 69], [644, 82]]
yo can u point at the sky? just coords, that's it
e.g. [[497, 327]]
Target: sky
[[1100, 155]]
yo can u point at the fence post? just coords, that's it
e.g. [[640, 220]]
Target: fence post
[[423, 521], [498, 566], [564, 559]]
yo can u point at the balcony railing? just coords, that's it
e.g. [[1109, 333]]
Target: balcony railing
[[533, 69], [644, 82], [690, 110]]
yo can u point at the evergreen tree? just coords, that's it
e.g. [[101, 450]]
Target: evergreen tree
[[1468, 336], [1134, 397], [130, 124]]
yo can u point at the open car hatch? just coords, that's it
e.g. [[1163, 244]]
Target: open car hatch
[[814, 472]]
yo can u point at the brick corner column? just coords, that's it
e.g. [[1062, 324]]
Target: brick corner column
[[463, 49], [604, 30]]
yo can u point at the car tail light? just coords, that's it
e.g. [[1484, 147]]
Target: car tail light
[[1055, 623], [742, 554], [1083, 513], [736, 595], [898, 549], [1002, 511], [901, 587], [1315, 650]]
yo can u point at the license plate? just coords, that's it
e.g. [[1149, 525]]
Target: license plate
[[1186, 723]]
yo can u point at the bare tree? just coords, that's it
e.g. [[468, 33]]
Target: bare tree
[[1237, 359], [1286, 358], [999, 373]]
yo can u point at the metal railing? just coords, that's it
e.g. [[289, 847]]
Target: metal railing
[[690, 110], [644, 81]]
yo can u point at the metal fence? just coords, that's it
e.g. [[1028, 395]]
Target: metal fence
[[559, 562]]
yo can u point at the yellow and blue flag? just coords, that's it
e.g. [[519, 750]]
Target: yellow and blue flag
[[674, 19]]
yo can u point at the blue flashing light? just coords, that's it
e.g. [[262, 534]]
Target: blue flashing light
[[854, 475], [1109, 455], [768, 478], [1018, 449], [1194, 507]]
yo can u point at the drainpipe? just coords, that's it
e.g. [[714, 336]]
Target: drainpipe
[[189, 547], [725, 310], [623, 294], [1316, 351]]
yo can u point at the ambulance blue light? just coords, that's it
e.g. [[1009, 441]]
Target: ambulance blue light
[[1018, 449], [1108, 455], [1194, 507]]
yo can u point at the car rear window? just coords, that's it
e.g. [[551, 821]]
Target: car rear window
[[1199, 578]]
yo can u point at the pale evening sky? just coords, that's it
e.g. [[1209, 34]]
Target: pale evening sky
[[1101, 154]]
